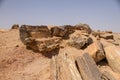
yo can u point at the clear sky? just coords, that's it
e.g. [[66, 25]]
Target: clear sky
[[99, 14]]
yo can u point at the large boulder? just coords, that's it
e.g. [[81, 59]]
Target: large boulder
[[78, 40], [27, 31], [96, 51], [44, 44], [113, 57]]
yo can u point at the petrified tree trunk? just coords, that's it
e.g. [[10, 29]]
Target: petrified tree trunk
[[113, 57], [96, 51], [88, 68], [65, 68]]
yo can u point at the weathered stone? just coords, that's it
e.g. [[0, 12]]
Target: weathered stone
[[69, 29], [106, 36], [66, 67], [96, 51], [57, 31], [15, 26], [113, 57], [84, 28], [44, 44], [107, 73], [78, 40], [88, 68], [27, 31]]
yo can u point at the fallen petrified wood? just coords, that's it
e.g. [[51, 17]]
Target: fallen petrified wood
[[113, 57], [88, 68], [96, 51], [67, 66]]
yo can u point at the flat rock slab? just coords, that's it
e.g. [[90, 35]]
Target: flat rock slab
[[88, 68], [96, 51], [113, 57]]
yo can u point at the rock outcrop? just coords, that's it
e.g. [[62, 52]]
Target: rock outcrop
[[27, 31], [81, 50], [15, 26], [79, 40]]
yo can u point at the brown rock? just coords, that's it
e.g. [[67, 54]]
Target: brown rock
[[84, 28], [106, 36], [113, 57], [27, 31], [96, 51], [15, 26], [69, 29], [88, 68], [44, 44], [57, 31], [78, 40]]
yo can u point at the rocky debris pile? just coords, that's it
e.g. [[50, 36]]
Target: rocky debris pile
[[85, 52], [41, 38]]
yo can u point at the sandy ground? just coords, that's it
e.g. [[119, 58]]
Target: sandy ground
[[18, 63]]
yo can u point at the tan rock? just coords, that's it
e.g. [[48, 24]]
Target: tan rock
[[113, 57], [96, 51]]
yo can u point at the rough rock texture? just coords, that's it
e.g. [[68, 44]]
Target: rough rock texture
[[15, 26], [78, 40], [106, 36], [27, 31], [84, 28], [96, 51], [113, 57], [44, 53], [44, 44], [57, 31]]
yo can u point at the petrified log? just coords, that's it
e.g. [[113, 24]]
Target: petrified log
[[107, 73], [113, 57], [88, 68], [53, 69], [96, 51], [65, 67]]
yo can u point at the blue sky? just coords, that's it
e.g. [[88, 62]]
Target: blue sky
[[99, 14]]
